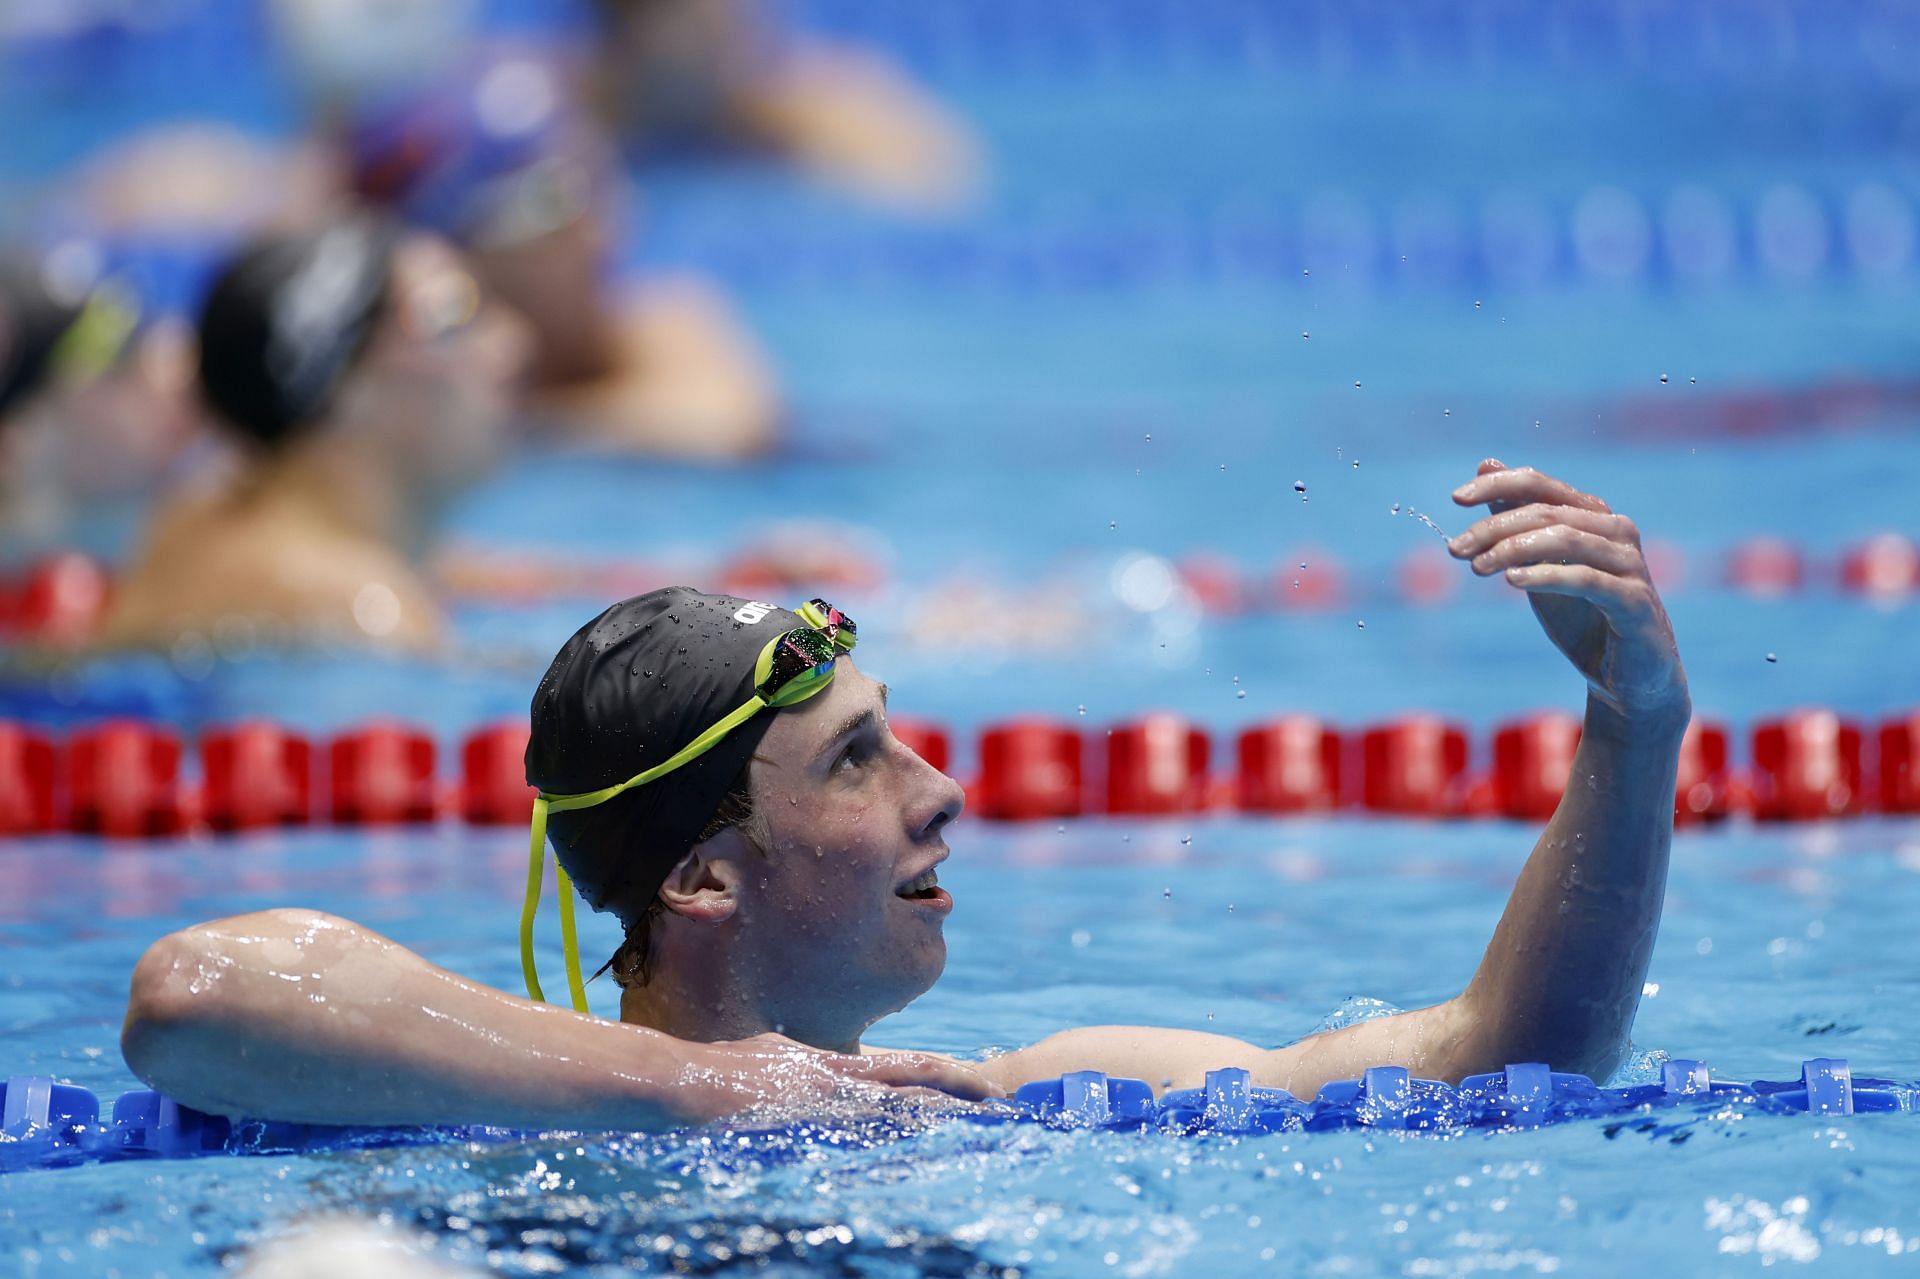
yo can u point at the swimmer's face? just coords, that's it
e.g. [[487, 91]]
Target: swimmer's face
[[116, 434], [556, 280], [447, 366], [853, 817]]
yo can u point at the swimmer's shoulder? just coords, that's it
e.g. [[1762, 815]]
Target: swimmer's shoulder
[[211, 559]]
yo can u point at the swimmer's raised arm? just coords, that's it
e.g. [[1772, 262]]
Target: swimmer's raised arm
[[1562, 977], [302, 1016]]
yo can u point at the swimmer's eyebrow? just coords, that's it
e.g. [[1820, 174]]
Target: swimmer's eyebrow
[[855, 723]]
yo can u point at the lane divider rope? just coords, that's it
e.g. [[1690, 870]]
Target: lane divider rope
[[133, 779]]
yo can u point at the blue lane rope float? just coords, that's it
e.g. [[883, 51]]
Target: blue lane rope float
[[50, 1125]]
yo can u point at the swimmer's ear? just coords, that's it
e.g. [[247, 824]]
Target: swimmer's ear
[[704, 887]]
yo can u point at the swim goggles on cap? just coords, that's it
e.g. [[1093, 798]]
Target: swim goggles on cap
[[98, 336], [791, 668]]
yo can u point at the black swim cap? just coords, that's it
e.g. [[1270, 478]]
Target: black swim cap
[[32, 321], [632, 687], [287, 319]]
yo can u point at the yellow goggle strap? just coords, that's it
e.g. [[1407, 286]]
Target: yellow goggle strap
[[536, 866], [97, 335], [569, 939]]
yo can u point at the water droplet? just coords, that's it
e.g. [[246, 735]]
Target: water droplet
[[1149, 437], [1693, 381], [1395, 510], [1773, 657], [1167, 893], [1663, 379], [1242, 694], [1305, 271], [1356, 384], [1446, 412], [1300, 486], [1356, 463], [1223, 466], [1304, 335], [1083, 708], [1476, 304], [1113, 523], [1536, 424], [1209, 1015], [1061, 829], [1229, 908], [1186, 839], [1361, 625]]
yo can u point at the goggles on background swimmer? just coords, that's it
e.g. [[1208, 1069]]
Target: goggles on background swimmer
[[541, 198], [793, 666], [98, 337]]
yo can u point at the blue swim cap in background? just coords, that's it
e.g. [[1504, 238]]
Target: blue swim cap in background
[[499, 153]]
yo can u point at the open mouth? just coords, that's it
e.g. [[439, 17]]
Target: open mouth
[[922, 887]]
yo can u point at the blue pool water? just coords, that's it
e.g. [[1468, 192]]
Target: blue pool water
[[1776, 946], [1008, 411]]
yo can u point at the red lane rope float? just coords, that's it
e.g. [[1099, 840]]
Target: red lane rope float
[[1900, 765], [27, 773], [1287, 765], [1807, 765], [1029, 769], [125, 778], [1157, 765], [493, 776], [256, 775], [383, 775]]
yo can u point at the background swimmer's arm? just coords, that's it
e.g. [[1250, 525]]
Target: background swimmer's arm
[[1561, 979], [297, 1015]]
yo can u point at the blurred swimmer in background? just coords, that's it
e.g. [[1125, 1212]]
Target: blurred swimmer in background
[[95, 398], [676, 75], [500, 159], [367, 379]]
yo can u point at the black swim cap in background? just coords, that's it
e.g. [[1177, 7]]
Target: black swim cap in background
[[32, 321], [287, 318], [632, 687]]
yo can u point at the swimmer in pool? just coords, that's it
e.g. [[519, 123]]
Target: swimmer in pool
[[367, 379], [719, 774], [501, 160], [94, 398]]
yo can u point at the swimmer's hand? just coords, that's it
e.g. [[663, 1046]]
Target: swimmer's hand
[[772, 1072], [1585, 575]]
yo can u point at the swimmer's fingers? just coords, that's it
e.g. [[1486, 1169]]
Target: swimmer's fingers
[[924, 1072], [933, 1101], [1624, 599], [1563, 545], [1484, 534], [1508, 487]]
